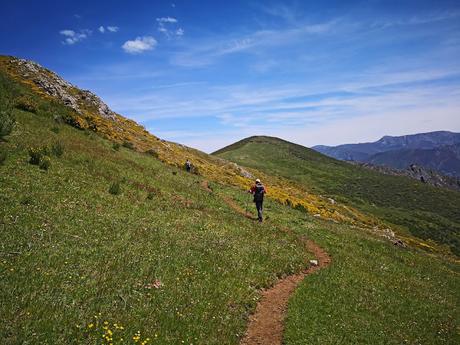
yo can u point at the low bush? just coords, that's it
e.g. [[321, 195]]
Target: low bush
[[151, 195], [128, 144], [57, 149], [152, 152], [116, 146], [26, 104], [45, 163], [35, 155], [114, 188], [3, 156], [7, 121], [55, 129]]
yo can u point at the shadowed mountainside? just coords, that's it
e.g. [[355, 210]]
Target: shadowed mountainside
[[435, 150], [413, 207]]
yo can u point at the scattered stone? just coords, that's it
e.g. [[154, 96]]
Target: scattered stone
[[317, 215], [242, 172], [399, 243], [332, 201], [314, 262]]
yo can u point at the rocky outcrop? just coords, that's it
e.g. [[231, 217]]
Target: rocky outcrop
[[55, 86], [419, 173]]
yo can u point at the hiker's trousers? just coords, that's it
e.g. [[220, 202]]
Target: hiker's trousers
[[259, 207]]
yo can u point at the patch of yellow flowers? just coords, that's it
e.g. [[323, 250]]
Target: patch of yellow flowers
[[112, 333]]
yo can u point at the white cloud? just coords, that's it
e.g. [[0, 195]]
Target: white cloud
[[139, 45], [69, 33], [72, 37], [103, 29], [166, 20], [168, 27]]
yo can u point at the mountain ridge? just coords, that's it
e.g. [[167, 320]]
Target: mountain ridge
[[432, 150]]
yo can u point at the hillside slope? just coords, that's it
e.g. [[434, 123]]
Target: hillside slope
[[422, 210], [39, 90]]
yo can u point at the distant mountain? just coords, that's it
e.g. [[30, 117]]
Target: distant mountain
[[435, 150]]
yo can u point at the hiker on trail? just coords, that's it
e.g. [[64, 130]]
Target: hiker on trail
[[188, 166], [258, 190]]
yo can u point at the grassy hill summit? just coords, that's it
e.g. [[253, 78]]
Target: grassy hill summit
[[104, 238], [409, 206]]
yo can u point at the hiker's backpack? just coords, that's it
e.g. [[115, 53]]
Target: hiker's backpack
[[259, 193]]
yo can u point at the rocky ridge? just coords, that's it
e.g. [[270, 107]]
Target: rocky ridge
[[417, 172], [55, 86]]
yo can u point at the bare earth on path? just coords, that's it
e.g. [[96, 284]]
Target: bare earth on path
[[266, 325]]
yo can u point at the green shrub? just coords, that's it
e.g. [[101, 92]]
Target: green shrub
[[2, 156], [57, 149], [128, 144], [7, 121], [151, 195], [115, 188], [35, 154], [45, 163], [26, 104], [116, 146], [152, 152], [55, 129]]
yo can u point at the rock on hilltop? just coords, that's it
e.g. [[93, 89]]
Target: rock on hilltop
[[55, 86]]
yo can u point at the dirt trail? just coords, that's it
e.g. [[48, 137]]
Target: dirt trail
[[266, 325]]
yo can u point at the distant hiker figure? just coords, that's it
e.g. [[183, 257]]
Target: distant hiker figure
[[258, 190], [188, 166]]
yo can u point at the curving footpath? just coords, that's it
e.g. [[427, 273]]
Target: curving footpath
[[266, 325]]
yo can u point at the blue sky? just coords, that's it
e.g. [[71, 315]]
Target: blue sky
[[208, 73]]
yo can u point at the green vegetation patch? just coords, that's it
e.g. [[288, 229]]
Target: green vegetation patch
[[422, 210]]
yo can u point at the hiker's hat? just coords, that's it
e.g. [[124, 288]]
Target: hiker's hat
[[257, 180]]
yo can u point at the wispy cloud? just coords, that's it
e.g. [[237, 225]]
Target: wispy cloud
[[139, 45], [206, 53], [71, 37], [166, 20], [417, 19], [168, 27], [103, 29], [283, 107]]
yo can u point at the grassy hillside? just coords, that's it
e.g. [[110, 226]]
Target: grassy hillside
[[415, 208], [164, 256], [30, 87], [372, 293], [100, 243]]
